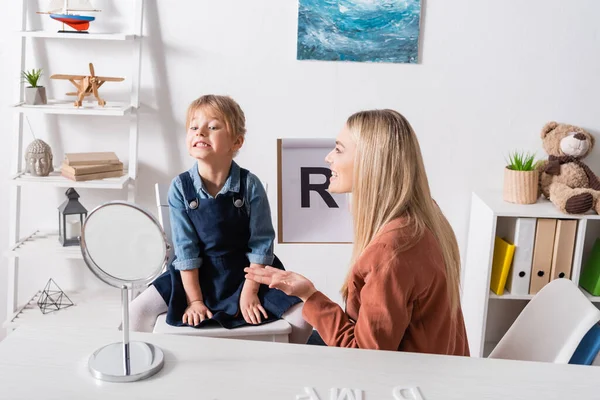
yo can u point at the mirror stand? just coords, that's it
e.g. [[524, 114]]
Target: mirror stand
[[126, 361], [125, 247]]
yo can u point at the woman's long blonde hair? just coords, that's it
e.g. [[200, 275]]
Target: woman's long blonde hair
[[390, 181]]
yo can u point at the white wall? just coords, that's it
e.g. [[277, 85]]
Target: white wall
[[491, 74]]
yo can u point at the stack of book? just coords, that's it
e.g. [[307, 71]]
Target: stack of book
[[90, 166]]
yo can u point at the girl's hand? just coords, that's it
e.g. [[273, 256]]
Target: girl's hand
[[250, 305], [195, 313], [290, 283]]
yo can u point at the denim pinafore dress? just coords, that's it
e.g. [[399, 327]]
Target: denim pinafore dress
[[223, 227]]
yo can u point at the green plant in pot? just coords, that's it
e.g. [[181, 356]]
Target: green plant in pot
[[521, 178], [34, 93]]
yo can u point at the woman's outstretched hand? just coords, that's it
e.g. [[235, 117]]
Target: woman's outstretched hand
[[290, 283]]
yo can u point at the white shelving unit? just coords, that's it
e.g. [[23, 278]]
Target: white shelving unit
[[94, 36], [41, 242], [487, 315], [65, 107], [55, 179], [93, 307], [98, 308]]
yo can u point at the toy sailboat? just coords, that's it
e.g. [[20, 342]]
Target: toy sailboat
[[63, 11]]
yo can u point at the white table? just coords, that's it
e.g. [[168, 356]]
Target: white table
[[52, 364]]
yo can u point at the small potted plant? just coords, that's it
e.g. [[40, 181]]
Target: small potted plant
[[521, 179], [34, 94]]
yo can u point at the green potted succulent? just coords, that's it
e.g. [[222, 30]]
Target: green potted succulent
[[34, 93], [521, 178]]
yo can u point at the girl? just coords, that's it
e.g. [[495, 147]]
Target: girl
[[402, 292], [221, 223]]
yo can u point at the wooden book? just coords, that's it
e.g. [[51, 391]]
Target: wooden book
[[72, 159], [91, 169], [90, 177]]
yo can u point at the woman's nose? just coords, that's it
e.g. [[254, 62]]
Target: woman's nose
[[328, 158]]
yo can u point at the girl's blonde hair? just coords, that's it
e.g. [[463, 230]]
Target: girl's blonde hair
[[390, 181], [227, 108]]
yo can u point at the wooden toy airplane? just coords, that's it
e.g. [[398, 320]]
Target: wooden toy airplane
[[87, 85]]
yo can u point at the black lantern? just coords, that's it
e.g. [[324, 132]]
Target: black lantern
[[71, 215]]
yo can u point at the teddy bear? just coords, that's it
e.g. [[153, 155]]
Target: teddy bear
[[564, 179]]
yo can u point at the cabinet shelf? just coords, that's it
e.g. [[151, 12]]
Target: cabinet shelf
[[78, 36], [487, 315], [55, 179], [592, 298], [43, 243], [66, 107], [543, 208], [508, 296]]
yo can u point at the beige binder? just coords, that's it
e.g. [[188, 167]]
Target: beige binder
[[564, 246], [542, 254]]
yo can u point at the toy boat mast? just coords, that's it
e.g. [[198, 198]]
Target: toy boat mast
[[64, 6]]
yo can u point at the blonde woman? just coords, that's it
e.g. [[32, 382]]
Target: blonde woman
[[402, 291]]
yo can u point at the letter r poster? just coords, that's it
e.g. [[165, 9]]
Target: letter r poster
[[307, 212]]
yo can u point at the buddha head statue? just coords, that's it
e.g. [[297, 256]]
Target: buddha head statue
[[38, 157]]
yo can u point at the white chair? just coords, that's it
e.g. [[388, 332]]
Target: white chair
[[277, 331], [550, 327]]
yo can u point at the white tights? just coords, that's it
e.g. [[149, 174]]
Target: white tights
[[145, 308]]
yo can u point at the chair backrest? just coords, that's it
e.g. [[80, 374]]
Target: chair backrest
[[589, 348], [550, 327], [161, 191]]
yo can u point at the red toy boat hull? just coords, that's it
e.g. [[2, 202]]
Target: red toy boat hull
[[77, 22]]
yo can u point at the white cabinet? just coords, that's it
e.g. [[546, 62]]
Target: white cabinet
[[487, 315]]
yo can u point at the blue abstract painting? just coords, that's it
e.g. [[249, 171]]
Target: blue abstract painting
[[359, 30]]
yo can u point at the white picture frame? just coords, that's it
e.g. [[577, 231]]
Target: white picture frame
[[307, 212]]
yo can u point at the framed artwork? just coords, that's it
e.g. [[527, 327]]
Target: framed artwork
[[359, 30], [307, 212]]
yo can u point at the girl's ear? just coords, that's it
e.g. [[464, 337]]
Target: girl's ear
[[238, 142]]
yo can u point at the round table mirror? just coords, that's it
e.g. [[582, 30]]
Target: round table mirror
[[125, 247]]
